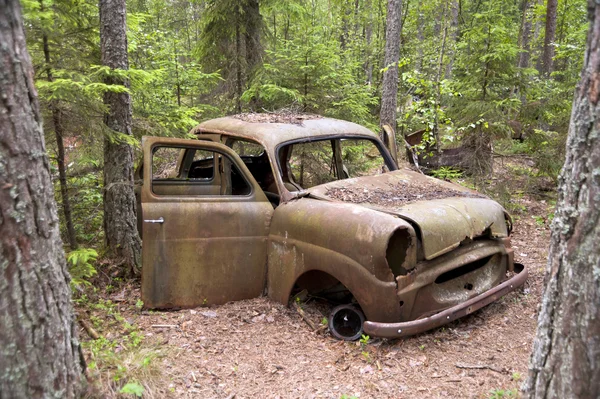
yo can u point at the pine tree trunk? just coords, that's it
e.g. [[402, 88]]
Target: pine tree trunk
[[239, 69], [455, 8], [525, 34], [565, 362], [39, 349], [253, 47], [59, 133], [120, 225], [392, 53], [420, 36], [368, 65], [438, 83], [548, 54]]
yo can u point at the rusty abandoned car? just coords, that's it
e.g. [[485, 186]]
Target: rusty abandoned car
[[260, 204]]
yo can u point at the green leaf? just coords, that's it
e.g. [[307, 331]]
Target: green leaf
[[133, 388]]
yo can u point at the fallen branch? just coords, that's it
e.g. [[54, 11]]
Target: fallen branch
[[89, 329], [304, 317], [164, 326], [480, 367]]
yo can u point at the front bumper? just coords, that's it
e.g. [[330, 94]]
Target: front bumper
[[404, 329]]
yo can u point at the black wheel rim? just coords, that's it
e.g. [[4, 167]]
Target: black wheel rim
[[347, 323]]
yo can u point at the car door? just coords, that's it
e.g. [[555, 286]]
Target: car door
[[205, 225]]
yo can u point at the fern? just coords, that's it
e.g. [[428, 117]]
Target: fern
[[81, 266]]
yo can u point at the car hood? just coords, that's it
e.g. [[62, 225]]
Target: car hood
[[443, 213]]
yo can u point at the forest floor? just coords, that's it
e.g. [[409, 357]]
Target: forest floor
[[261, 349]]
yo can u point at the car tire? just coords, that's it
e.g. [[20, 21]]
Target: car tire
[[346, 322]]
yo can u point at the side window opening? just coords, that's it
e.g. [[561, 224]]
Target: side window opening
[[184, 171], [257, 161]]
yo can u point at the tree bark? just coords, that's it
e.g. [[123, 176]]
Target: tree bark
[[438, 83], [420, 36], [525, 34], [39, 351], [392, 53], [60, 159], [239, 69], [120, 225], [253, 27], [453, 38], [368, 65], [548, 53], [566, 353]]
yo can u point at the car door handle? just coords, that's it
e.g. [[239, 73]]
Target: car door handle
[[159, 220]]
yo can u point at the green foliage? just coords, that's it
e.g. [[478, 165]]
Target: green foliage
[[364, 339], [447, 173], [502, 394], [86, 205], [133, 388], [81, 267], [310, 73]]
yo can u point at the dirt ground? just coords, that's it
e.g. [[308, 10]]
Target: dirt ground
[[261, 349]]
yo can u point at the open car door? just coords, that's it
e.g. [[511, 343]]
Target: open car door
[[205, 225]]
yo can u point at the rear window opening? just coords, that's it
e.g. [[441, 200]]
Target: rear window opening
[[462, 270]]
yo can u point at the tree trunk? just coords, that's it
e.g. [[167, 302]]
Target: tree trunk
[[39, 350], [368, 48], [525, 34], [60, 159], [561, 64], [392, 53], [120, 225], [438, 83], [420, 36], [453, 38], [239, 69], [253, 47], [548, 53], [566, 352]]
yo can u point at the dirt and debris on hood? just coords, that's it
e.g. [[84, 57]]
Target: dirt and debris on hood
[[276, 117], [398, 193], [401, 194]]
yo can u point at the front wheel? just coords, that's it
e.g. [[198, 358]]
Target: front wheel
[[346, 322]]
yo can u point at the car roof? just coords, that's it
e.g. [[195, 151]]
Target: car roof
[[273, 129]]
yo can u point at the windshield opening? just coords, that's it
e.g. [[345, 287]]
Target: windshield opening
[[308, 164]]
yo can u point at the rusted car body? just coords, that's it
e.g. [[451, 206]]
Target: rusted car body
[[231, 226]]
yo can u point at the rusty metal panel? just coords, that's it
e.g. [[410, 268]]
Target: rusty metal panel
[[404, 329], [423, 293], [202, 249], [443, 223], [271, 134], [343, 240], [204, 253]]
